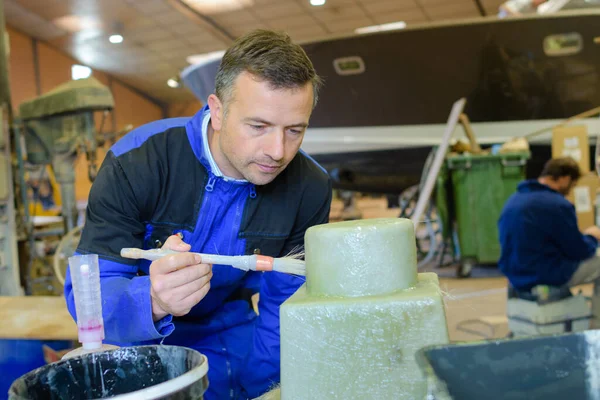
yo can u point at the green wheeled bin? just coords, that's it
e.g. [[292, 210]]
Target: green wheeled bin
[[477, 188]]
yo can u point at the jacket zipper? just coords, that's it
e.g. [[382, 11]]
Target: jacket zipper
[[237, 225], [205, 208], [210, 186]]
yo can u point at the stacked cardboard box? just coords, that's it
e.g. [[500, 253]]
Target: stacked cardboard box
[[573, 141]]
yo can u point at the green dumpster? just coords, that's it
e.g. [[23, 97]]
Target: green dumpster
[[476, 188]]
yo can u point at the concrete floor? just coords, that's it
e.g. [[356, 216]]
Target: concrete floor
[[476, 307]]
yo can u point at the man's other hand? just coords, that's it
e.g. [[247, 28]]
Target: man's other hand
[[593, 231], [178, 281]]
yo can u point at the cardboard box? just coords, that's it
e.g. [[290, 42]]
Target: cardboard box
[[583, 197], [572, 141]]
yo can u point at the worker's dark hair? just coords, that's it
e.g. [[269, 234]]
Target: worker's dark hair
[[559, 167], [270, 56]]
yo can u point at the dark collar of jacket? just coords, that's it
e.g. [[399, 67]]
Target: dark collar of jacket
[[533, 185]]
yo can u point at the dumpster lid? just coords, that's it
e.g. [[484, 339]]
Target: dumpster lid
[[489, 156], [73, 96]]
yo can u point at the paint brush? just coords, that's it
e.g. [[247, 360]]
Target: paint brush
[[289, 265]]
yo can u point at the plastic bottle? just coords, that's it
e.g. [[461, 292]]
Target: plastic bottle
[[85, 275]]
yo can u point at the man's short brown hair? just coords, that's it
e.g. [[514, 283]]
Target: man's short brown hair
[[560, 167], [270, 56]]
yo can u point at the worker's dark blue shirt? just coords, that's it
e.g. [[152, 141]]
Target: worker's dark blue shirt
[[541, 243]]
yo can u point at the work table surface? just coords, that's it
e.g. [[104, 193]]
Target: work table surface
[[36, 317]]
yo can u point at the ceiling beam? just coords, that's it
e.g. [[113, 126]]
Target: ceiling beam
[[206, 22]]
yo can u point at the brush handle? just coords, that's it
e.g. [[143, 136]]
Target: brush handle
[[245, 263]]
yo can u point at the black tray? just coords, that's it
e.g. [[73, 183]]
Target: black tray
[[553, 367]]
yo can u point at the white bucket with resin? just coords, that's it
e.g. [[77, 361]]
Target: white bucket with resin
[[141, 372]]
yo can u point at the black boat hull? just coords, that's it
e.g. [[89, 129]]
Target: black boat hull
[[387, 95], [392, 171]]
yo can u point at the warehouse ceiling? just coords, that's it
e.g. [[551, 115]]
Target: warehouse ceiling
[[160, 35]]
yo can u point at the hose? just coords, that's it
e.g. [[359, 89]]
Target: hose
[[59, 256]]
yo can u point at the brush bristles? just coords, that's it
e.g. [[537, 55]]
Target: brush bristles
[[296, 253], [290, 266]]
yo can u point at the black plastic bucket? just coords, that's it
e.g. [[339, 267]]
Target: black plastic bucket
[[555, 367], [141, 372]]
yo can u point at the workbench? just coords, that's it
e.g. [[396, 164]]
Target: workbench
[[28, 324], [36, 317]]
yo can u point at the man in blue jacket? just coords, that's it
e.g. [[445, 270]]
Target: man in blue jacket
[[540, 240], [231, 180]]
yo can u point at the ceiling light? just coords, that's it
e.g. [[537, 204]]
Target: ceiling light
[[383, 27], [80, 72], [207, 57], [115, 39], [215, 7], [76, 23], [173, 83], [317, 2]]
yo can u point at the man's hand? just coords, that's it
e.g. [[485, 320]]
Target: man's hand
[[178, 281], [593, 231]]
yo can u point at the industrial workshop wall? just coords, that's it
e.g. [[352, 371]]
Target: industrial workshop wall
[[21, 69], [36, 68], [185, 109]]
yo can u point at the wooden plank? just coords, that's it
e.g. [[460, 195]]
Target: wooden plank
[[36, 317]]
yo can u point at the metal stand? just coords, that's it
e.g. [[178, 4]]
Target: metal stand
[[424, 196], [423, 211], [9, 261], [54, 128]]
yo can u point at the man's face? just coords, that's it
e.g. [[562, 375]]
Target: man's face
[[565, 184], [262, 130]]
